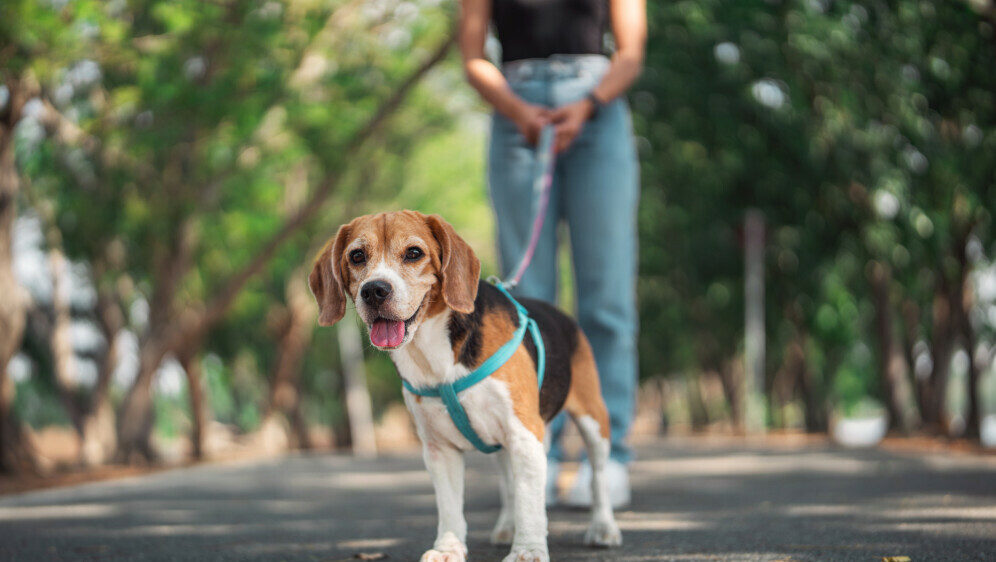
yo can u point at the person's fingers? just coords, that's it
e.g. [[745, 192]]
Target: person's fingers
[[560, 114], [567, 125], [535, 123], [564, 128], [564, 137]]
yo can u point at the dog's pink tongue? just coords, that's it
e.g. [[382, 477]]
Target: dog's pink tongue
[[387, 333]]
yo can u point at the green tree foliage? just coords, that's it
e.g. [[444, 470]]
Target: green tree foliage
[[860, 130], [208, 138]]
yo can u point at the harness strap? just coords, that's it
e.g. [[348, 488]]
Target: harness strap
[[533, 331], [460, 419], [448, 391]]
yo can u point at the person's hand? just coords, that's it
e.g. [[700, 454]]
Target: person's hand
[[530, 120], [568, 121]]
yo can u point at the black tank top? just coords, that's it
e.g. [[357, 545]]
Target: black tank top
[[531, 29]]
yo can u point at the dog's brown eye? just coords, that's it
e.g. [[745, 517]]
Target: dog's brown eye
[[413, 254], [357, 257]]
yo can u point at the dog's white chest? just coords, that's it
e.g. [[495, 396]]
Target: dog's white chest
[[485, 405], [428, 361]]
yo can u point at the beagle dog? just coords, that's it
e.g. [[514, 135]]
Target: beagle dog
[[416, 286]]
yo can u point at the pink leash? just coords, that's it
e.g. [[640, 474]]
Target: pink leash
[[541, 190]]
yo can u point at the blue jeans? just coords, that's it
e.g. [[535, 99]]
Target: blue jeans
[[595, 192]]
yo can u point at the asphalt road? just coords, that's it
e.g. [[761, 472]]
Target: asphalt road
[[693, 501]]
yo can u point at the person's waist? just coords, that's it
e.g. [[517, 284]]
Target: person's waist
[[555, 67]]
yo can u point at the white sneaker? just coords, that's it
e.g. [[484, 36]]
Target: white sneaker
[[616, 478], [552, 473]]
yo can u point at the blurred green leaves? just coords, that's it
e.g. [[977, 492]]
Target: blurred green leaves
[[854, 127]]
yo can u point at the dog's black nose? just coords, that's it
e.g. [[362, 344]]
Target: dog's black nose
[[375, 292]]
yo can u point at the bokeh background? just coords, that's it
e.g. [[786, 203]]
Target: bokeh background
[[168, 170]]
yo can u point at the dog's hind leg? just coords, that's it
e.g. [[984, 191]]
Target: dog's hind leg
[[603, 529], [504, 530], [587, 409]]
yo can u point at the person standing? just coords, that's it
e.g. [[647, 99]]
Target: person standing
[[553, 72]]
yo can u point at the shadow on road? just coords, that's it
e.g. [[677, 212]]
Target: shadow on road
[[692, 501]]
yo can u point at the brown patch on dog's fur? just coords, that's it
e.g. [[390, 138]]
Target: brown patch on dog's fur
[[518, 374], [585, 395], [459, 270], [326, 281]]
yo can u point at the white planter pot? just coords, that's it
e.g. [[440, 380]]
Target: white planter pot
[[860, 432], [987, 431]]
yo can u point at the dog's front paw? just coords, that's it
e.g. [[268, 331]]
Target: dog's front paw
[[528, 554], [448, 548], [603, 533], [437, 556]]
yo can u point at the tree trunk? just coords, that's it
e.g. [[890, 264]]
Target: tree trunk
[[948, 309], [911, 334], [15, 454], [61, 343], [972, 419], [136, 419], [941, 351], [293, 330], [734, 383], [137, 415], [749, 413], [786, 380], [698, 412], [892, 365], [99, 438], [814, 412], [358, 408], [809, 389], [198, 405]]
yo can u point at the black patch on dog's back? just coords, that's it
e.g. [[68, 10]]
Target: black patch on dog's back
[[467, 327], [559, 332], [560, 337]]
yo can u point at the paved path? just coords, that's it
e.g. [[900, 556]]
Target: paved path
[[693, 501]]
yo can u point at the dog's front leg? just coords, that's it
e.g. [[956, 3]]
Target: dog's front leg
[[528, 459], [445, 465], [504, 530]]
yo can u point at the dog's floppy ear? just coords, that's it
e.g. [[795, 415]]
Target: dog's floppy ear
[[326, 280], [459, 267]]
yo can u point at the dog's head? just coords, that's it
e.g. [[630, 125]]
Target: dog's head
[[399, 268]]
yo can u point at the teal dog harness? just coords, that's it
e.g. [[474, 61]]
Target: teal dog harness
[[449, 391]]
